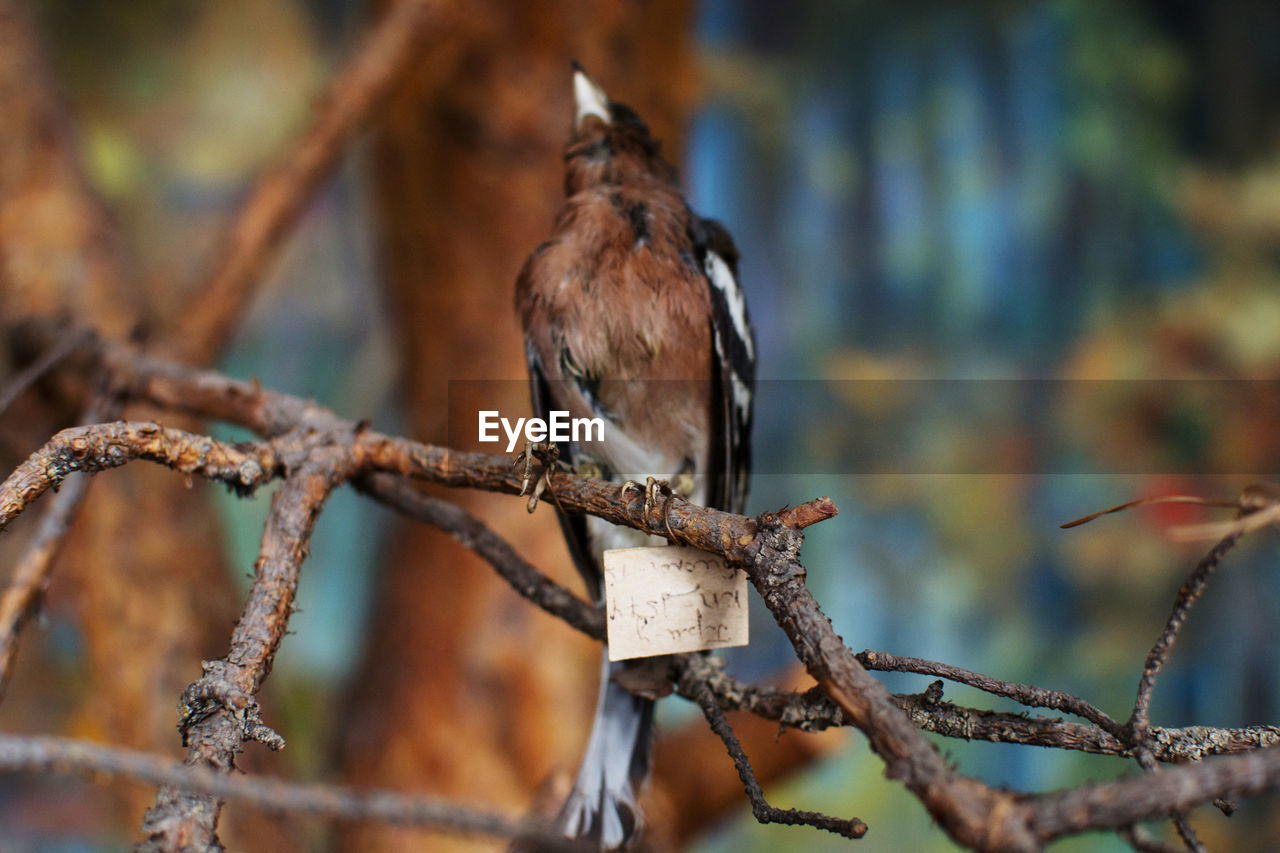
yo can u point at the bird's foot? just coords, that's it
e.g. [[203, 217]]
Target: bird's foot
[[549, 456], [653, 489]]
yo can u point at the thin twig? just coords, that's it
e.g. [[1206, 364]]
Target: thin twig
[[1139, 840], [760, 807], [813, 711], [1159, 499], [1140, 719], [63, 347], [1258, 505], [1253, 512], [475, 535], [23, 595], [1181, 825], [84, 758], [1188, 833], [1026, 694], [1218, 529]]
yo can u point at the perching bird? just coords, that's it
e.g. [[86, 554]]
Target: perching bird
[[632, 312]]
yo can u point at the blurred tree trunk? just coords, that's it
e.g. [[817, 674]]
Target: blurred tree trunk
[[142, 572], [478, 695]]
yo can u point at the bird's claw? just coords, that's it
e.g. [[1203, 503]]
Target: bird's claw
[[549, 455], [652, 489]]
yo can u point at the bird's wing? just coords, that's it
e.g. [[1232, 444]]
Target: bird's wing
[[733, 379], [574, 526]]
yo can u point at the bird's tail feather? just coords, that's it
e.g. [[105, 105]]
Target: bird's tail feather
[[603, 805]]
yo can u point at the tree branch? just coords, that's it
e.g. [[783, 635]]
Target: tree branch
[[760, 807], [62, 348], [99, 447], [1026, 694], [83, 758], [1118, 804], [1189, 593], [219, 711], [477, 536]]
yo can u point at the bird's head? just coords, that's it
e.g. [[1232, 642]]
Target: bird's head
[[610, 143]]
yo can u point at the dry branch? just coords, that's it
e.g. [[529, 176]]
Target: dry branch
[[813, 710], [20, 381], [763, 811], [1117, 804], [1187, 597], [22, 597], [477, 536], [83, 758], [971, 813], [1026, 694], [219, 710], [99, 447]]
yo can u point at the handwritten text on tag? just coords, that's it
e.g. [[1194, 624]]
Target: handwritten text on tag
[[665, 600]]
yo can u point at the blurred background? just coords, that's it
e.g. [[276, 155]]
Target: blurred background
[[1008, 262]]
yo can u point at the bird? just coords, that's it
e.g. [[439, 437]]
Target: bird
[[632, 313]]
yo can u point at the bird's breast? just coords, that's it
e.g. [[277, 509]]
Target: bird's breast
[[618, 286], [619, 317]]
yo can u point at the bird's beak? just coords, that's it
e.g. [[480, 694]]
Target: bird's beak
[[588, 98]]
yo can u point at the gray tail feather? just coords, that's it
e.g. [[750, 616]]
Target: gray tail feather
[[604, 804]]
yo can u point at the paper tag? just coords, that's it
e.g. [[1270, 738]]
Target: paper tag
[[669, 599]]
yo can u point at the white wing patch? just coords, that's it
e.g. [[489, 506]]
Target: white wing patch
[[722, 279], [735, 350], [741, 394]]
